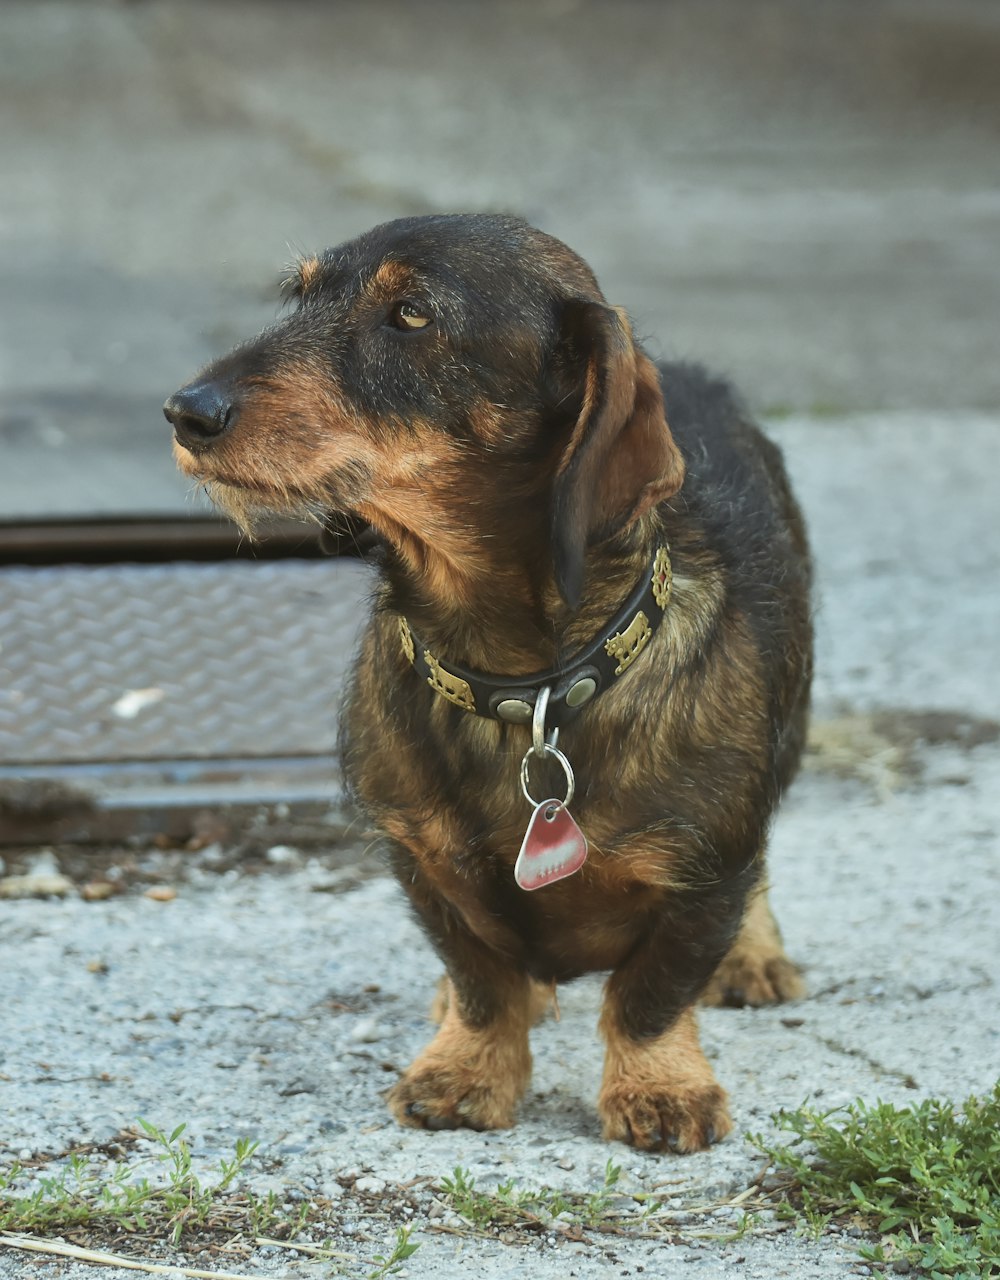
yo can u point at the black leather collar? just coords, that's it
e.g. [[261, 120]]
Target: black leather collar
[[573, 684]]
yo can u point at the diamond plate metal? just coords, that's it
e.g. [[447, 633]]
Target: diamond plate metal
[[248, 659]]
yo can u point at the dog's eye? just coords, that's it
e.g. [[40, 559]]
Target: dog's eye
[[405, 315]]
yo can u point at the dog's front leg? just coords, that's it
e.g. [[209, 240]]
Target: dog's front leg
[[473, 1073], [476, 1069], [658, 1091]]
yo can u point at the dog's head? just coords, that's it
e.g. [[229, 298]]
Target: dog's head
[[457, 382]]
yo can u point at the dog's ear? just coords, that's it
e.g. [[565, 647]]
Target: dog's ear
[[621, 459]]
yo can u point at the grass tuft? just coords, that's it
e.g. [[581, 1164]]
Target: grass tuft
[[505, 1205], [388, 1263], [94, 1203], [925, 1178], [81, 1196]]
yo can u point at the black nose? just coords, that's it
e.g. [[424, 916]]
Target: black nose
[[199, 413]]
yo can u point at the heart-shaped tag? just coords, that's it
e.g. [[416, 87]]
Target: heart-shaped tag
[[552, 849]]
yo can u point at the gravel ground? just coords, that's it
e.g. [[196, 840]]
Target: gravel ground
[[278, 1000]]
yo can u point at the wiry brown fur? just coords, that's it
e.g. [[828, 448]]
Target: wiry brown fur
[[512, 455]]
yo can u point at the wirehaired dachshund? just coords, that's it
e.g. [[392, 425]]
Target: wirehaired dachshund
[[584, 683]]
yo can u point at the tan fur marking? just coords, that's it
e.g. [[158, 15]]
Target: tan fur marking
[[432, 537], [468, 1076], [495, 424], [392, 280], [294, 438], [308, 269], [660, 1093]]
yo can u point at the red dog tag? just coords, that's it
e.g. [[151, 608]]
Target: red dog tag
[[552, 849]]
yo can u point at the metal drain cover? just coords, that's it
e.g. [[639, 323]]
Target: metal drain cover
[[175, 662]]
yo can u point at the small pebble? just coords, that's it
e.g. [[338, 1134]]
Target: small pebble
[[370, 1186], [212, 853], [366, 1031], [283, 855], [97, 890], [35, 886], [566, 1163]]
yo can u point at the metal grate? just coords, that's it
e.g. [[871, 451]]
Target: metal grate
[[177, 661]]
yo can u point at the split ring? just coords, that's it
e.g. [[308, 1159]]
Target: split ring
[[548, 750]]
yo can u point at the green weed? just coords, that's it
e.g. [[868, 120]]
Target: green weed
[[388, 1263], [102, 1204], [507, 1206], [79, 1195], [925, 1178]]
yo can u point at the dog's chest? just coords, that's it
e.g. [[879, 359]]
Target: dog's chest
[[588, 920]]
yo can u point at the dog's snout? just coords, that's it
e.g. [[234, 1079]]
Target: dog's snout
[[200, 413]]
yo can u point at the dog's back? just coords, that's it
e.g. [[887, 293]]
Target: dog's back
[[736, 487]]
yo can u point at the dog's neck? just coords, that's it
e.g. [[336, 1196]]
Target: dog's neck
[[509, 619], [502, 620]]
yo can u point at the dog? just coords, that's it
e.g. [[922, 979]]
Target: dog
[[584, 684]]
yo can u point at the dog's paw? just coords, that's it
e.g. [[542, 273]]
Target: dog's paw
[[467, 1077], [656, 1119], [754, 978], [659, 1093], [452, 1098]]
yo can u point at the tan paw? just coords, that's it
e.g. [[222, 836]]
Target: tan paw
[[452, 1098], [659, 1120], [468, 1077], [659, 1093], [754, 980]]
